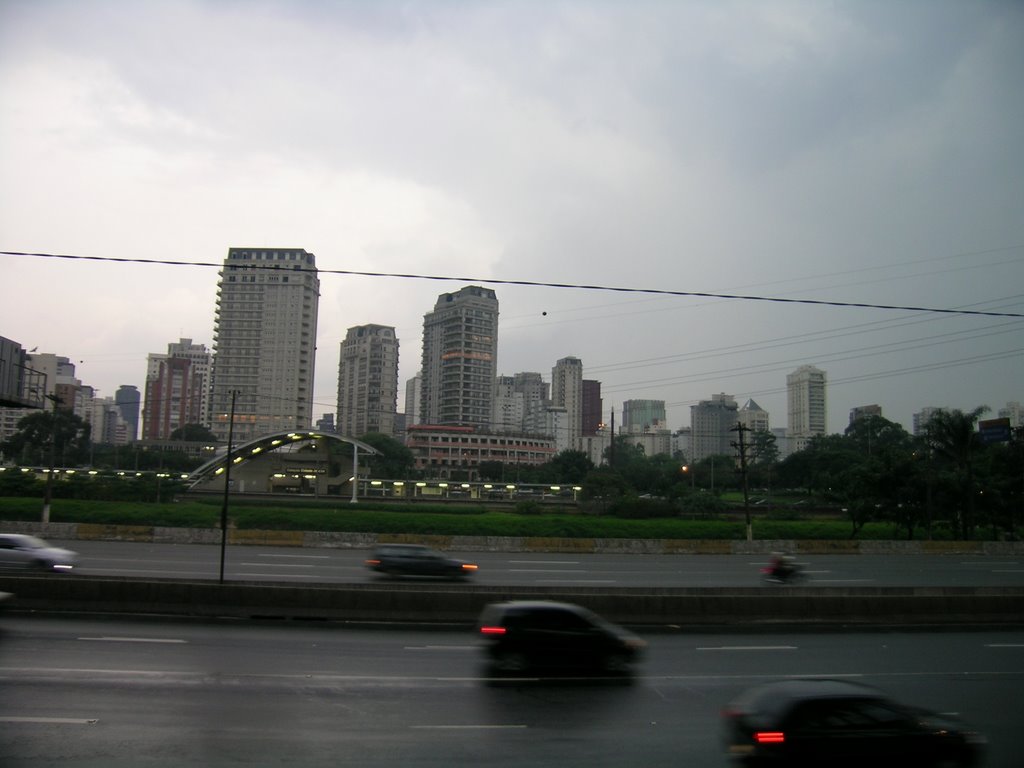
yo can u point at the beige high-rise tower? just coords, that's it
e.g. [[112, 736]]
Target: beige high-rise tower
[[368, 381], [264, 342]]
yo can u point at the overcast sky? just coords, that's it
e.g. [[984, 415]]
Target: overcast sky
[[860, 152]]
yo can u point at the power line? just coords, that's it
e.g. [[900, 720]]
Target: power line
[[535, 284]]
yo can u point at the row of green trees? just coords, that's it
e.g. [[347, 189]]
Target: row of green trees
[[875, 471]]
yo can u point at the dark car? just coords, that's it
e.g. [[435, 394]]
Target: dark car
[[18, 550], [522, 635], [818, 722], [417, 560]]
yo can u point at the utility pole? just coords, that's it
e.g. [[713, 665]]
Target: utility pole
[[227, 485], [741, 446], [48, 489]]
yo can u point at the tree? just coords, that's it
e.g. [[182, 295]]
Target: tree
[[195, 433], [67, 433], [394, 460], [569, 467], [952, 436]]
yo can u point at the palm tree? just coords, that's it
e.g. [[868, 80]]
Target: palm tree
[[952, 436]]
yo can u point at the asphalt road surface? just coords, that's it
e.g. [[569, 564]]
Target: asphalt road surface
[[251, 563], [86, 692]]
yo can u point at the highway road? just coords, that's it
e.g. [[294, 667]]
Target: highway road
[[111, 693], [304, 565]]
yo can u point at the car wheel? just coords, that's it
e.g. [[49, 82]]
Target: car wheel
[[510, 661]]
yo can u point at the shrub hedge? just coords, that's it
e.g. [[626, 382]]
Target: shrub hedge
[[432, 519]]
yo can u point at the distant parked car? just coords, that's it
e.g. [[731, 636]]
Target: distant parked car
[[819, 722], [539, 634], [417, 560], [20, 551]]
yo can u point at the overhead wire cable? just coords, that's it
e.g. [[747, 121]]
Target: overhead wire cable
[[537, 284]]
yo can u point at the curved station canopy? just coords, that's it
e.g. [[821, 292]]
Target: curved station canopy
[[260, 449]]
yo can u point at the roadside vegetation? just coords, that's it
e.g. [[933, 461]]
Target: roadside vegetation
[[875, 481]]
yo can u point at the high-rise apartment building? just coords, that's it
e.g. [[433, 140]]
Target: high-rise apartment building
[[413, 392], [173, 398], [807, 412], [567, 393], [368, 381], [460, 352], [508, 406], [593, 407], [264, 342], [753, 417], [865, 412], [177, 389], [922, 417], [520, 404], [1014, 412], [638, 415], [129, 404], [711, 422]]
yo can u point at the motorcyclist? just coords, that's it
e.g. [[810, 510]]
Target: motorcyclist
[[782, 566]]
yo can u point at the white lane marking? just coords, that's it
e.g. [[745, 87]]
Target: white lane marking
[[747, 648], [545, 562], [51, 720], [466, 727], [1004, 645], [576, 581], [843, 581], [441, 647], [278, 565], [100, 569], [169, 640], [547, 570], [298, 557], [986, 562], [269, 575]]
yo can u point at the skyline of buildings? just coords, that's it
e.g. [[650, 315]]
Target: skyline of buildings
[[265, 348]]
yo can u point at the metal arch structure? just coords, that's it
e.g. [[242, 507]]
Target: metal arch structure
[[265, 444]]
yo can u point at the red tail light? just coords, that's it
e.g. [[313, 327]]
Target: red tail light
[[468, 567], [492, 630], [770, 737], [373, 562]]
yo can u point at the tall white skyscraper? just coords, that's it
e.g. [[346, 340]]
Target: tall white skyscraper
[[264, 342], [807, 409], [368, 381], [567, 393], [460, 358]]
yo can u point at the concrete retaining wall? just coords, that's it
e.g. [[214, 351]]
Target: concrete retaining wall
[[461, 603], [165, 535]]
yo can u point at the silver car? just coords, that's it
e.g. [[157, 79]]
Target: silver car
[[20, 551]]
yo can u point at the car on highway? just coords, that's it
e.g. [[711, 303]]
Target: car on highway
[[816, 722], [417, 560], [18, 550], [523, 635]]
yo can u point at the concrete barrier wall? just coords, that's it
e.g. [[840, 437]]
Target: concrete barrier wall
[[460, 604], [160, 534]]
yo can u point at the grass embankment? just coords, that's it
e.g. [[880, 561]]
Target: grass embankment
[[427, 520]]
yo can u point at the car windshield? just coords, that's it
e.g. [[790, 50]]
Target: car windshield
[[31, 542]]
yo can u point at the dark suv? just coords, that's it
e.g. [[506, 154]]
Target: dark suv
[[522, 635], [417, 560]]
